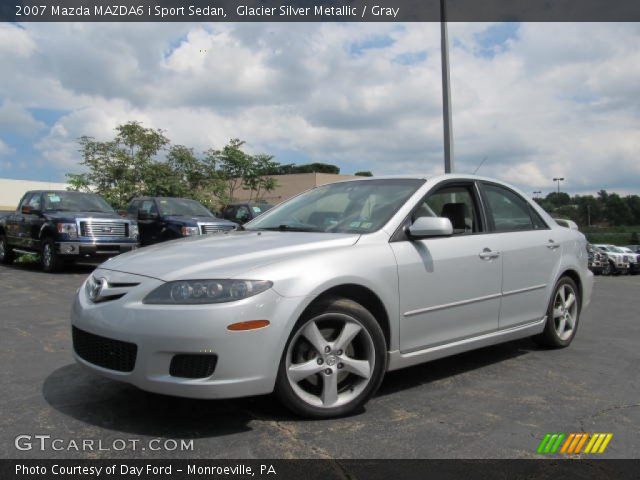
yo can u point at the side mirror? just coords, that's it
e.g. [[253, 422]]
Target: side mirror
[[26, 210], [425, 227], [122, 213], [144, 215]]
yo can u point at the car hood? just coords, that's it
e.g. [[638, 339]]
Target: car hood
[[194, 219], [223, 255], [65, 215]]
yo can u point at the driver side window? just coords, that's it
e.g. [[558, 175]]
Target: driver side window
[[457, 203]]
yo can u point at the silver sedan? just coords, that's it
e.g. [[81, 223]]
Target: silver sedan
[[319, 297]]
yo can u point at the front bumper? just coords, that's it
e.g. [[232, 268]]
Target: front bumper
[[94, 249], [247, 361]]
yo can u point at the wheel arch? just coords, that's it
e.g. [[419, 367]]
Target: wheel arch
[[365, 297], [575, 276]]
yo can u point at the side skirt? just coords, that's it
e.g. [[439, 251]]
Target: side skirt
[[398, 360]]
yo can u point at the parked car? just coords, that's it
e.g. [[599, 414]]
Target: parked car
[[166, 218], [566, 223], [63, 227], [598, 261], [633, 248], [618, 260], [320, 296], [634, 259], [242, 213]]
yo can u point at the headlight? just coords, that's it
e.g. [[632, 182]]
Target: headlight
[[69, 229], [188, 231], [196, 292], [133, 230]]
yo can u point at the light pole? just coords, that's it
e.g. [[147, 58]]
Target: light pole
[[537, 192], [446, 92], [558, 180]]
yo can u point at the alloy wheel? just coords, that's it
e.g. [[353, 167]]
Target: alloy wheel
[[565, 311], [330, 360], [47, 255]]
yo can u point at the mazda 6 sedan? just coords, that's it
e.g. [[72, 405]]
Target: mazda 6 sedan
[[317, 298]]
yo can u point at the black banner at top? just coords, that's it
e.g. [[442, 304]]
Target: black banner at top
[[319, 10]]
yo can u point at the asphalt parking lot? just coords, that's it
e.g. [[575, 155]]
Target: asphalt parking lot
[[497, 402]]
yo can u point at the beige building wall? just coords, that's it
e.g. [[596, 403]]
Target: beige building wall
[[293, 184], [11, 191]]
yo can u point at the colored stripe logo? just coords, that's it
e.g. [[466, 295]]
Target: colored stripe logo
[[574, 443]]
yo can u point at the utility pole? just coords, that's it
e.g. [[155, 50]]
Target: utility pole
[[446, 92], [537, 192]]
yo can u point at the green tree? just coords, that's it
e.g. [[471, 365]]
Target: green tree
[[118, 169], [234, 165], [364, 174], [257, 179]]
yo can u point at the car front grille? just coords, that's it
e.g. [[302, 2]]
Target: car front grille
[[104, 352], [206, 228], [103, 229], [193, 366]]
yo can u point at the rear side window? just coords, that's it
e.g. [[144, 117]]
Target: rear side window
[[508, 210], [34, 202], [25, 201]]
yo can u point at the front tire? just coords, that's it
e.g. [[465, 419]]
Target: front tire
[[50, 260], [6, 252], [334, 360], [563, 315]]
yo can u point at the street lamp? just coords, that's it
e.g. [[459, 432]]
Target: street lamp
[[446, 93], [558, 180], [537, 192]]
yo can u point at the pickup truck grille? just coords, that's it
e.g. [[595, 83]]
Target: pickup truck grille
[[103, 229], [207, 228]]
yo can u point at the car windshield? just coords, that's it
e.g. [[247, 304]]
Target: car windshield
[[362, 206], [619, 250], [75, 202], [182, 207]]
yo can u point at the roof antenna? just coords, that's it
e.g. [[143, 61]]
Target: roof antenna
[[478, 168]]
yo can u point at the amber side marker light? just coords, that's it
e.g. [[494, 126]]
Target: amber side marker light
[[249, 325]]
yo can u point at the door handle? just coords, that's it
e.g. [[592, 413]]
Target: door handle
[[552, 245], [487, 254]]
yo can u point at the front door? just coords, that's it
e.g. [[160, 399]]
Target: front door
[[450, 287]]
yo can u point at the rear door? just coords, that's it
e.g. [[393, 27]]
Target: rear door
[[15, 224], [531, 255], [33, 222]]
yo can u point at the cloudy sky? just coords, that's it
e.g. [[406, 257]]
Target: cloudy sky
[[537, 100]]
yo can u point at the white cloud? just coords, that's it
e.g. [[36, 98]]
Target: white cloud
[[547, 100], [15, 118]]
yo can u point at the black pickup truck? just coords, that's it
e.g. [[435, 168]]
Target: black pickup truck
[[62, 227], [168, 218]]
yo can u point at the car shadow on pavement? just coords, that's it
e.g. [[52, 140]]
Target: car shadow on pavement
[[107, 404], [451, 366]]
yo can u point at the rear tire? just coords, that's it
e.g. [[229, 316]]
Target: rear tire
[[6, 252], [563, 315], [334, 360], [50, 260]]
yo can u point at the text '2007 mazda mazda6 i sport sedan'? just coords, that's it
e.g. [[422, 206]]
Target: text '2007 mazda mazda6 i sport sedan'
[[320, 296]]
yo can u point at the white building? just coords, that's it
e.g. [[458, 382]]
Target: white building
[[11, 191]]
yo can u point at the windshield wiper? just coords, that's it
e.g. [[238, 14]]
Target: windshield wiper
[[289, 228]]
